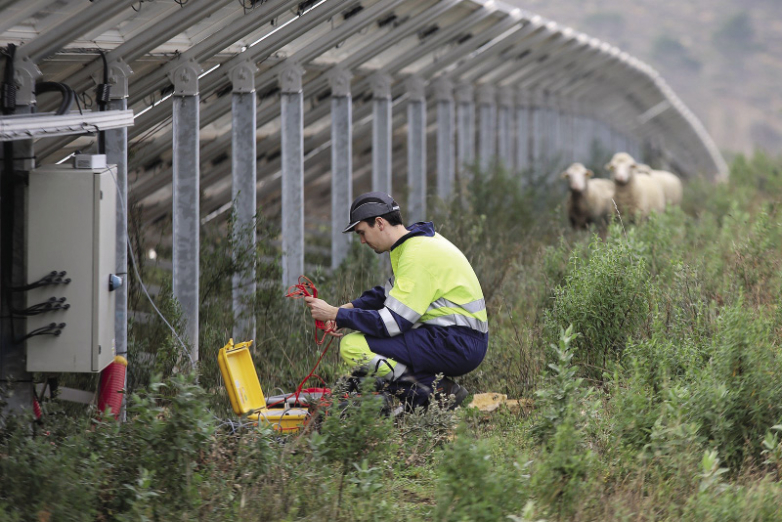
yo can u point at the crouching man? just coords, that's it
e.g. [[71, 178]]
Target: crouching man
[[430, 317]]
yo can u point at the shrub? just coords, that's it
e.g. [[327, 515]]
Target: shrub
[[737, 395], [606, 299], [47, 475], [754, 502], [168, 435], [562, 473], [562, 392], [563, 408], [473, 486]]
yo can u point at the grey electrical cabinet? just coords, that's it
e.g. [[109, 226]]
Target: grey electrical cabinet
[[71, 228]]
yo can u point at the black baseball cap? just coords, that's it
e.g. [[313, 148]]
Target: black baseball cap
[[369, 205]]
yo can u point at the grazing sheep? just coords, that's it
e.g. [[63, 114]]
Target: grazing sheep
[[589, 200], [636, 196], [643, 168], [672, 186]]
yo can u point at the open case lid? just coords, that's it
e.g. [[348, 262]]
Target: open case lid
[[241, 379]]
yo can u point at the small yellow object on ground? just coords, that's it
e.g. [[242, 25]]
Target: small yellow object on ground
[[489, 402]]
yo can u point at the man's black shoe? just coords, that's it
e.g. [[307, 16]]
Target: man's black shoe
[[447, 388], [355, 384]]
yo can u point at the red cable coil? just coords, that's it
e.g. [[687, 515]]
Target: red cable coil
[[306, 288]]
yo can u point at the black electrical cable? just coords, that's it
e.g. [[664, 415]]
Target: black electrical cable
[[66, 92], [78, 105], [50, 329], [105, 68], [9, 86], [52, 278], [84, 100], [53, 304], [7, 207], [103, 95]]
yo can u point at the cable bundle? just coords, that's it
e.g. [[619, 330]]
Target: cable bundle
[[52, 278], [306, 288], [54, 329], [53, 304]]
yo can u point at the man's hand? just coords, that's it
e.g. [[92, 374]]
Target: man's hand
[[331, 329], [320, 309]]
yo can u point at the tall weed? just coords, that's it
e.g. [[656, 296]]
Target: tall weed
[[606, 298]]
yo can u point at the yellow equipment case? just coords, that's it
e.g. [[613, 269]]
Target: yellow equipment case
[[244, 391]]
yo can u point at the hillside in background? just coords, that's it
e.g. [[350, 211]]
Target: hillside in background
[[722, 57]]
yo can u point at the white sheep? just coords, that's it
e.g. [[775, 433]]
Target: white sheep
[[643, 168], [636, 195], [672, 185], [589, 200]]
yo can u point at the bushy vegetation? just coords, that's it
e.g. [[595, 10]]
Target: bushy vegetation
[[652, 358]]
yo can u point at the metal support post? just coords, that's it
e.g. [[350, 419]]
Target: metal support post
[[556, 131], [341, 162], [583, 135], [565, 145], [612, 137], [446, 143], [616, 139], [563, 140], [538, 131], [505, 129], [596, 146], [117, 154], [487, 136], [576, 133], [465, 130], [186, 211], [590, 133], [416, 149], [243, 176], [605, 137], [523, 134], [381, 133], [551, 133], [16, 383], [635, 146], [572, 131], [292, 109]]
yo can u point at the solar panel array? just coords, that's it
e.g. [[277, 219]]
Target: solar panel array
[[469, 41]]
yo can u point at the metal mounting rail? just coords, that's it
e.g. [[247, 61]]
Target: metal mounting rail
[[26, 126]]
